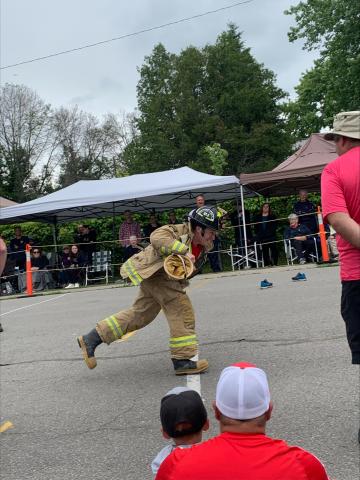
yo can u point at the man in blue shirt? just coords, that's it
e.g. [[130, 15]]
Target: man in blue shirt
[[300, 238], [306, 211]]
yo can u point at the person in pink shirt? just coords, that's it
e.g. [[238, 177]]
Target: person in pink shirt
[[242, 450], [340, 196], [128, 228]]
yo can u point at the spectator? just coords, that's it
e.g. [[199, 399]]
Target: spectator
[[172, 218], [79, 233], [65, 263], [41, 279], [265, 232], [200, 201], [75, 271], [151, 226], [3, 255], [340, 195], [237, 219], [85, 238], [299, 236], [306, 212], [127, 228], [133, 248], [17, 248], [242, 450], [183, 418]]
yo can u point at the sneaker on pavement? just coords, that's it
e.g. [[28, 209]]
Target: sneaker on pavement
[[265, 284], [302, 261], [71, 285], [189, 367], [299, 277], [76, 285]]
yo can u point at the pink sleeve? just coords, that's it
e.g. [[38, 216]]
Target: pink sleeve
[[332, 195]]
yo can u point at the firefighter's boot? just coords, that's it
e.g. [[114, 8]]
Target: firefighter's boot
[[88, 343], [189, 367]]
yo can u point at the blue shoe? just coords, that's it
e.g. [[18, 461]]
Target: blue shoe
[[265, 284], [299, 277]]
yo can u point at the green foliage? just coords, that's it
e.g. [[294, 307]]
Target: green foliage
[[200, 97], [217, 157], [333, 84]]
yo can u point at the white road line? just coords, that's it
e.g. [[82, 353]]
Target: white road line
[[33, 304], [193, 381]]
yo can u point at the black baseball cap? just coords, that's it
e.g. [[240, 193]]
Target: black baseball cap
[[182, 406]]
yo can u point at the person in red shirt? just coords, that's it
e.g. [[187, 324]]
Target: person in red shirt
[[242, 450], [340, 196]]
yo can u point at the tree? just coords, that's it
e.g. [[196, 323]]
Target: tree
[[217, 157], [333, 84], [89, 149], [218, 94], [27, 144]]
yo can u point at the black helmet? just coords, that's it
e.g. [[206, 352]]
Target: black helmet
[[207, 216]]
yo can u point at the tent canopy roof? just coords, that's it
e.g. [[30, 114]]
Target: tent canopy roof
[[98, 198], [5, 202], [301, 170]]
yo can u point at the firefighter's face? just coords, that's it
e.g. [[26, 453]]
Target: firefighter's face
[[205, 238]]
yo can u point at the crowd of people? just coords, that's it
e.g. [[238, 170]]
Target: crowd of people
[[262, 230]]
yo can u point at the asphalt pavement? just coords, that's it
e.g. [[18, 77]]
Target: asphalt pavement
[[67, 422]]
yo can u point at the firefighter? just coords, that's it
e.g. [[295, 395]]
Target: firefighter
[[158, 291]]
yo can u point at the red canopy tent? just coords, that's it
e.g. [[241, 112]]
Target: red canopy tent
[[301, 170]]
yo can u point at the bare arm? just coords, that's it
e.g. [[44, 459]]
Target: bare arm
[[3, 255], [346, 227]]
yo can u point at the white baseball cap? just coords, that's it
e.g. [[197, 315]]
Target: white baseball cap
[[242, 392]]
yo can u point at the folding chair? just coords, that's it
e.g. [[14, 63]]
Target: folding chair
[[238, 256], [291, 254], [100, 269]]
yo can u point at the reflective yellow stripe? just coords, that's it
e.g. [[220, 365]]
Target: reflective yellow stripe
[[133, 274], [165, 250], [176, 342], [178, 247], [114, 326]]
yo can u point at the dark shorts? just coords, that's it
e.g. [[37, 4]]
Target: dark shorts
[[350, 311]]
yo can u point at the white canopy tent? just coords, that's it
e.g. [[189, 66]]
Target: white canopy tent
[[157, 191]]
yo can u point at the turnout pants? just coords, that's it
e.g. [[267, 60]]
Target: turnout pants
[[158, 292]]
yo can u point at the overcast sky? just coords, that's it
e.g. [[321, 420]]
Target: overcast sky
[[103, 78]]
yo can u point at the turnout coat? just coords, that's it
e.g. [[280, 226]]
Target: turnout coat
[[164, 241]]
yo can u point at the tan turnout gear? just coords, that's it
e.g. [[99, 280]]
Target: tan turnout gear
[[157, 292]]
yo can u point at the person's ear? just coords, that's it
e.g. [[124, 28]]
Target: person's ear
[[216, 411], [164, 434], [206, 425], [268, 413]]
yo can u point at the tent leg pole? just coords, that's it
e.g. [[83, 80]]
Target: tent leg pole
[[244, 225]]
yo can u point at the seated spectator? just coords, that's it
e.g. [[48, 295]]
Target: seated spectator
[[151, 226], [242, 450], [300, 238], [265, 233], [75, 270], [133, 248], [172, 220], [17, 248], [65, 263], [183, 418], [306, 212], [41, 279], [127, 228]]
